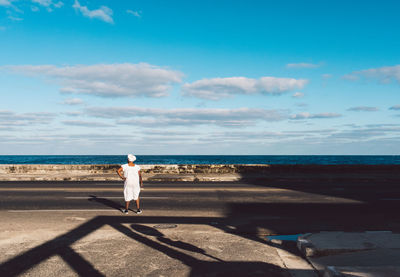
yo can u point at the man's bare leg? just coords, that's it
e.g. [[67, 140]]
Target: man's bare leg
[[125, 211], [139, 211]]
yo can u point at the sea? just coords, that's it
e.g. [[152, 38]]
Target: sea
[[202, 159]]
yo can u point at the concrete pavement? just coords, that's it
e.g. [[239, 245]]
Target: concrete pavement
[[174, 244], [187, 229], [64, 228], [336, 254]]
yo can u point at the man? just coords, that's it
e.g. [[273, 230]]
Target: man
[[130, 173]]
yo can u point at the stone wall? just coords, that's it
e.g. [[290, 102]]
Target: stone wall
[[193, 172]]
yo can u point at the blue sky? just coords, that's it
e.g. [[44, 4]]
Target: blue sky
[[199, 77]]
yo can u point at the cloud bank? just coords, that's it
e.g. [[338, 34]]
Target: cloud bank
[[134, 13], [104, 13], [107, 80], [298, 95], [5, 3], [217, 88], [48, 4], [314, 116], [363, 109], [150, 117], [90, 124], [383, 74], [302, 65], [12, 119], [73, 101]]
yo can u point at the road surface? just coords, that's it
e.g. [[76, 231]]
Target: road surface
[[76, 228]]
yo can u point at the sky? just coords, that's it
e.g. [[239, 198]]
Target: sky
[[199, 77]]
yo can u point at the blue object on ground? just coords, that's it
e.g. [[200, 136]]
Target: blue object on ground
[[285, 237]]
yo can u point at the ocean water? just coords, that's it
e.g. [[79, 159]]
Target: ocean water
[[200, 159]]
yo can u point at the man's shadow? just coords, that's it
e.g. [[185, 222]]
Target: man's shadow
[[106, 202]]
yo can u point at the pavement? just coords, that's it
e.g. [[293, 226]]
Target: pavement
[[73, 243], [197, 229], [77, 229], [368, 253]]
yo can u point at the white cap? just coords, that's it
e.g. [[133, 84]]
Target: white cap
[[131, 158]]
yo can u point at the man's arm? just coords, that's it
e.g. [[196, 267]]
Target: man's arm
[[119, 171]]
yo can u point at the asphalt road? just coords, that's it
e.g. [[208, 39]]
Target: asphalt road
[[76, 228], [282, 207]]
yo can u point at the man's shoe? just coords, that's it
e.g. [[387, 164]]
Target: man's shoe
[[124, 211], [139, 211]]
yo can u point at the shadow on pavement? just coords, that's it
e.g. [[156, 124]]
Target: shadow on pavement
[[61, 246], [371, 186], [265, 219], [178, 244], [367, 183], [295, 218], [105, 202], [248, 220]]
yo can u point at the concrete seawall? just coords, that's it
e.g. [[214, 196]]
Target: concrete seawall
[[198, 172]]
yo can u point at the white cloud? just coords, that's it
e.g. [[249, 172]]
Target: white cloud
[[91, 124], [73, 101], [73, 113], [49, 4], [302, 65], [103, 13], [326, 76], [165, 121], [5, 3], [9, 118], [314, 116], [168, 140], [395, 107], [383, 74], [162, 132], [363, 109], [59, 4], [368, 132], [107, 80], [11, 8], [381, 126], [151, 117], [217, 88], [13, 16], [350, 77], [298, 95], [135, 13]]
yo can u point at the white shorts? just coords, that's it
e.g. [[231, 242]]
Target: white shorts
[[131, 192]]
